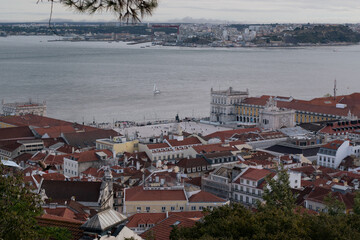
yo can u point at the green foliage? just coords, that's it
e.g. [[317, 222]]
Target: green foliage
[[356, 208], [278, 194], [18, 209], [333, 205], [197, 40], [277, 219], [325, 34]]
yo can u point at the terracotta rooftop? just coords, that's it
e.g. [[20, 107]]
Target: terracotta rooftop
[[33, 120], [209, 148], [55, 221], [16, 133], [326, 105], [139, 194], [319, 193], [64, 190], [192, 162], [154, 218], [87, 139], [162, 230], [254, 174], [224, 135], [205, 197], [90, 156], [56, 131], [333, 144], [185, 142]]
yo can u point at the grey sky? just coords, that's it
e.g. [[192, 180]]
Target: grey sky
[[257, 11]]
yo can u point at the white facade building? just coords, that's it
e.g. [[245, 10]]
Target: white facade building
[[331, 154], [23, 108], [222, 106]]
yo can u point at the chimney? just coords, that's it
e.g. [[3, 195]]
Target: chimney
[[137, 165]]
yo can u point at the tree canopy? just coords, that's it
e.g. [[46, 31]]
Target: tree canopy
[[277, 218], [125, 10], [18, 209]]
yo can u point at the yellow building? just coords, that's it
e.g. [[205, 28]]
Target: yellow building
[[117, 144], [248, 110], [152, 200]]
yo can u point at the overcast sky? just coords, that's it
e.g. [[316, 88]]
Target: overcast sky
[[246, 11]]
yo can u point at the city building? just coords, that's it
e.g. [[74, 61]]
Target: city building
[[23, 108], [333, 153], [76, 163], [248, 187], [222, 105], [272, 117], [170, 149], [218, 182], [117, 144], [315, 110]]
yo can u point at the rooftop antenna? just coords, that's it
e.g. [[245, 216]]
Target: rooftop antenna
[[335, 89]]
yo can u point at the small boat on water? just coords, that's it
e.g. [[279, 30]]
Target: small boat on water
[[156, 90]]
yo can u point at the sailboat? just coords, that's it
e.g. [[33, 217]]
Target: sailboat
[[156, 90]]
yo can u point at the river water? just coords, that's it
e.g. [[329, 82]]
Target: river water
[[114, 81]]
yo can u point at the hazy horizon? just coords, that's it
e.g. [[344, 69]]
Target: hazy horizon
[[241, 11]]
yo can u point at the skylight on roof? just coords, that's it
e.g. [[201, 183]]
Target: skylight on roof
[[176, 223]]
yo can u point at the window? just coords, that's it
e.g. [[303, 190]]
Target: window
[[163, 209], [181, 208], [201, 208], [247, 182], [172, 208], [193, 208], [310, 207], [241, 180], [138, 209], [147, 209]]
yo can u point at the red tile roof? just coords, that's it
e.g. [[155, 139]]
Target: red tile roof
[[139, 194], [145, 218], [319, 193], [54, 176], [56, 131], [162, 230], [192, 162], [90, 156], [318, 105], [224, 135], [209, 148], [154, 218], [254, 174], [55, 221], [205, 197], [33, 120], [333, 144], [16, 133], [185, 142]]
